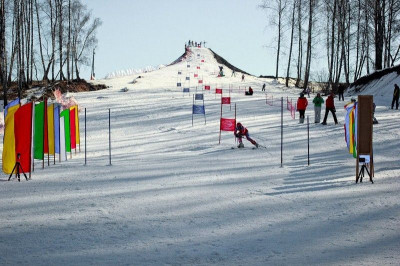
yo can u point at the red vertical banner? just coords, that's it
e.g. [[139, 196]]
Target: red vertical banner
[[46, 135], [23, 135], [72, 126]]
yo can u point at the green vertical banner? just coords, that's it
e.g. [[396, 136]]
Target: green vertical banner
[[65, 114], [39, 131]]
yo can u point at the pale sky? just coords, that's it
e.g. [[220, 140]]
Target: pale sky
[[140, 33]]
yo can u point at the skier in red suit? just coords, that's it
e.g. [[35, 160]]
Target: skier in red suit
[[240, 132]]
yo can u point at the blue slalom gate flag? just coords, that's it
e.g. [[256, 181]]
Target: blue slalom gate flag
[[187, 78], [179, 84], [199, 109], [188, 66], [186, 90], [11, 104], [199, 96], [179, 73], [57, 128]]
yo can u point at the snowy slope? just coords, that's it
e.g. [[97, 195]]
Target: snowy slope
[[174, 196]]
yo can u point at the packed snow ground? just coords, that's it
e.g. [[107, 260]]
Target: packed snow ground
[[174, 196]]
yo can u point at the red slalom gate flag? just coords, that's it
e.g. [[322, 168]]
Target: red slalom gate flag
[[72, 127], [46, 132], [202, 60], [200, 81], [206, 87], [218, 91], [198, 67], [196, 75], [226, 100], [23, 136], [228, 124]]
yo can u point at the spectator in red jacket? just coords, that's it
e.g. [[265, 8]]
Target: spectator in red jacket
[[301, 107], [330, 106]]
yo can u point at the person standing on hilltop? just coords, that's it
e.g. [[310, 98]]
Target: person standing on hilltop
[[233, 73], [330, 106], [301, 107], [242, 77], [263, 87], [396, 96]]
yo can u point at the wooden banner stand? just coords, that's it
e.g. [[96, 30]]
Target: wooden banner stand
[[364, 137]]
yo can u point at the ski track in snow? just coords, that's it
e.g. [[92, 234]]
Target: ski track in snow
[[174, 196]]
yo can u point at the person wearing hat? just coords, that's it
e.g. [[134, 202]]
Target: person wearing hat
[[240, 132], [330, 106], [301, 107], [318, 101]]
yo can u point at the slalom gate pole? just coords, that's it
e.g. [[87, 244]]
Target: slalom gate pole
[[220, 118], [44, 127], [282, 132], [192, 107], [109, 133], [308, 140], [54, 132], [205, 120], [85, 137], [235, 124]]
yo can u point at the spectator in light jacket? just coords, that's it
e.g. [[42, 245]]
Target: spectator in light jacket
[[318, 101]]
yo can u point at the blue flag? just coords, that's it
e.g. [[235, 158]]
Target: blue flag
[[57, 128], [199, 96], [187, 78], [178, 84], [199, 110], [11, 104], [186, 90]]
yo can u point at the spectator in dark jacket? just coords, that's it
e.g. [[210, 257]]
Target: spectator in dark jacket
[[330, 106], [341, 91], [301, 107], [395, 96]]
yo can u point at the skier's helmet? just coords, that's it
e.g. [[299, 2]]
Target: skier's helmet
[[238, 124]]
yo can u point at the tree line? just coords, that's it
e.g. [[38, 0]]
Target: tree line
[[353, 37], [45, 40]]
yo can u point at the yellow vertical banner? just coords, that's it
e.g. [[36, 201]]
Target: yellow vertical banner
[[77, 125], [50, 128], [9, 141]]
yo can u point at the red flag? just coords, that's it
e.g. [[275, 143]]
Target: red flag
[[218, 91], [207, 87], [200, 81], [227, 124], [202, 60], [46, 137], [72, 127], [23, 135], [226, 100], [198, 67], [196, 75]]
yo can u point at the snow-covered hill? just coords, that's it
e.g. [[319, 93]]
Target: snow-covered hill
[[174, 196]]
